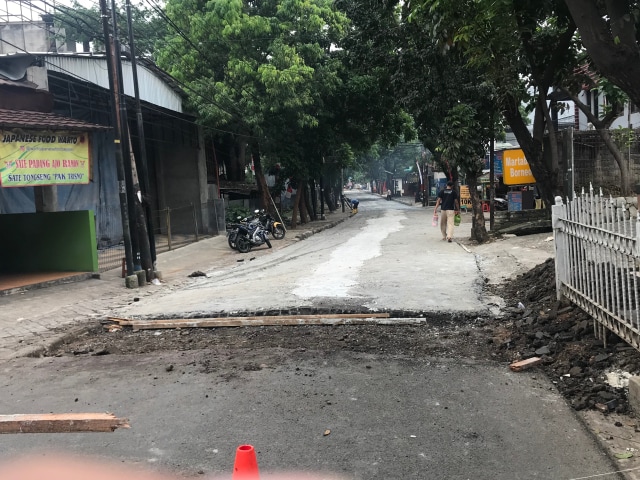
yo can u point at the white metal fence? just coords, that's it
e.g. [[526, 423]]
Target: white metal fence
[[597, 258]]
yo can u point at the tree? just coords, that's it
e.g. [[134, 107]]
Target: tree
[[614, 107], [465, 135], [255, 68], [523, 48], [443, 93], [277, 75], [609, 31]]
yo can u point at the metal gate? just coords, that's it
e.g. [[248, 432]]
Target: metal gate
[[597, 255]]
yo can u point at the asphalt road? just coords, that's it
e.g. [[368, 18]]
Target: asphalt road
[[389, 418], [373, 416]]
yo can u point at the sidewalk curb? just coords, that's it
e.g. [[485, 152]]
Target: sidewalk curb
[[309, 233], [50, 283]]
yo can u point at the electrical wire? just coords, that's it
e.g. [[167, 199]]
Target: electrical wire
[[230, 104], [157, 8], [239, 114], [73, 75]]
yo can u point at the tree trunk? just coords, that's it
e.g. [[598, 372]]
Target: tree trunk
[[478, 228], [329, 199], [625, 176], [304, 201], [314, 200], [263, 190], [546, 180], [294, 210]]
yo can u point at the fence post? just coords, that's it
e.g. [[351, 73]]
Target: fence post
[[557, 211], [195, 220], [638, 222], [169, 227]]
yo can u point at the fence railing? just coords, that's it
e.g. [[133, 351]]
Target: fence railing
[[597, 258], [173, 227]]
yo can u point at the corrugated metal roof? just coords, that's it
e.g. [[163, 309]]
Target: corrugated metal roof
[[93, 68], [39, 120]]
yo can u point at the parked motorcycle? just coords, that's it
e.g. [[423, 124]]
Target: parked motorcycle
[[232, 232], [275, 228], [247, 226], [500, 204], [251, 235]]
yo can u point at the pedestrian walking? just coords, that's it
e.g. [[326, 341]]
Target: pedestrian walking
[[449, 204]]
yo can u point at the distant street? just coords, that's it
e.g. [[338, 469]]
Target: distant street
[[363, 411]]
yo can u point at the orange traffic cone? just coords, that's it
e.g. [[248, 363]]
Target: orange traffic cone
[[246, 464]]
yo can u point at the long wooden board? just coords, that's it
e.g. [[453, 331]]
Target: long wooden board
[[275, 320], [61, 423]]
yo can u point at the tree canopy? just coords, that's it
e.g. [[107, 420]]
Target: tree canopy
[[317, 84], [609, 32]]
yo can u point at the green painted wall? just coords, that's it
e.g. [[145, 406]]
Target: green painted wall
[[48, 242]]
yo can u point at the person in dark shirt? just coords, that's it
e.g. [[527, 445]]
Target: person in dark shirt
[[449, 204]]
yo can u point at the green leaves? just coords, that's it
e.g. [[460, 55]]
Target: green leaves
[[463, 139]]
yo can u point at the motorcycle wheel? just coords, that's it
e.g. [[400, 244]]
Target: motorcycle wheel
[[278, 232], [231, 239], [266, 240], [243, 245]]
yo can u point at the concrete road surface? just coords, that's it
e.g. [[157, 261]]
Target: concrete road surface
[[388, 256]]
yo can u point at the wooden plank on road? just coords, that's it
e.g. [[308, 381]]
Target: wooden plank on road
[[61, 423], [521, 365], [270, 320]]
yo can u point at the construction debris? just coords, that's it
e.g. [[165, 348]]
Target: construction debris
[[521, 365], [61, 423]]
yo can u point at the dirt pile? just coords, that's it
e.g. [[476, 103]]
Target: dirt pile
[[536, 324]]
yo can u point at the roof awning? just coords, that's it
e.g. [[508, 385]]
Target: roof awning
[[31, 120]]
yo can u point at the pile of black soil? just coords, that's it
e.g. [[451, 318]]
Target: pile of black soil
[[535, 324]]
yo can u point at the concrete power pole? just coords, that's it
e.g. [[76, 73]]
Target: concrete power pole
[[122, 190]]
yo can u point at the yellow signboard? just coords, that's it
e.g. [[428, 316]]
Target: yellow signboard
[[465, 197], [43, 158], [515, 168]]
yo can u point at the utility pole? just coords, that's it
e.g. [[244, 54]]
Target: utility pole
[[134, 212], [122, 190], [341, 188], [492, 182], [145, 186], [322, 190]]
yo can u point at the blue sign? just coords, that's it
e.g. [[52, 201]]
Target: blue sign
[[497, 163], [515, 201]]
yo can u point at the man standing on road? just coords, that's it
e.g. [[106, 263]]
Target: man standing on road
[[450, 205]]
